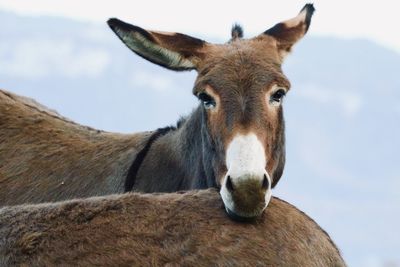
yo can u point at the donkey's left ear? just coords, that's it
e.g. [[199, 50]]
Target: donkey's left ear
[[288, 32], [171, 50]]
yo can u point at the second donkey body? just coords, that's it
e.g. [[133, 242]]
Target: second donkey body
[[173, 229]]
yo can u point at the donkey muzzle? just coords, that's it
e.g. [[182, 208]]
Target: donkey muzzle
[[246, 197]]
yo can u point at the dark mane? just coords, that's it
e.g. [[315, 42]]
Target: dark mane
[[180, 122], [137, 162], [236, 32]]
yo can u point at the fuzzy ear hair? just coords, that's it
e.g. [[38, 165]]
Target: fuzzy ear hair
[[288, 32], [171, 50]]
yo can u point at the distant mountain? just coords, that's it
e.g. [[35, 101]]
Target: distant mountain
[[342, 116]]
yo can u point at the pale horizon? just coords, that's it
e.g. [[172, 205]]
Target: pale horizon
[[341, 19]]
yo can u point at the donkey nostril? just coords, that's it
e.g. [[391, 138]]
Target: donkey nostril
[[265, 183], [229, 184]]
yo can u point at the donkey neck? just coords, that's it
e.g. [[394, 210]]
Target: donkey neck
[[175, 160]]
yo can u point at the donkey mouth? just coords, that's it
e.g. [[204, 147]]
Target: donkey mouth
[[239, 218]]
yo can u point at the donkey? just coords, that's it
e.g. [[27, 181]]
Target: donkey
[[233, 141], [45, 157], [173, 229]]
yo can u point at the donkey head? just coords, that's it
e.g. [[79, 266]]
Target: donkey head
[[241, 87]]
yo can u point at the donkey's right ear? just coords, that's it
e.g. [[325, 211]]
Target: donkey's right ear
[[289, 32], [171, 50]]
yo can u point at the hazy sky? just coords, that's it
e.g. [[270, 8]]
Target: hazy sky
[[375, 20]]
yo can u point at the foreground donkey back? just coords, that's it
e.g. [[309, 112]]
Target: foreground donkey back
[[188, 229], [45, 157]]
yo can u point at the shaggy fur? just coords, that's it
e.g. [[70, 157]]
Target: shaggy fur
[[45, 157], [189, 229]]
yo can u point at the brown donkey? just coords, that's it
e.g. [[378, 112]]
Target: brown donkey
[[45, 157], [174, 229], [234, 140]]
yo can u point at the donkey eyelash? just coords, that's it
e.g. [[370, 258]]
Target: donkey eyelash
[[281, 90], [204, 97]]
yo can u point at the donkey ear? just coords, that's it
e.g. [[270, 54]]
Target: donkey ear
[[288, 32], [171, 50]]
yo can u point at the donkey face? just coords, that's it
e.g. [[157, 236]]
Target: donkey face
[[241, 87]]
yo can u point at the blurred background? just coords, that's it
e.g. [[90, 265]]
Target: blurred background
[[342, 114]]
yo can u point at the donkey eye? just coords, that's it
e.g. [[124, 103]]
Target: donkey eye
[[278, 96], [207, 100]]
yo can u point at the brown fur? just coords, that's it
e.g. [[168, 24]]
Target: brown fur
[[189, 229], [238, 83], [242, 73], [45, 157]]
